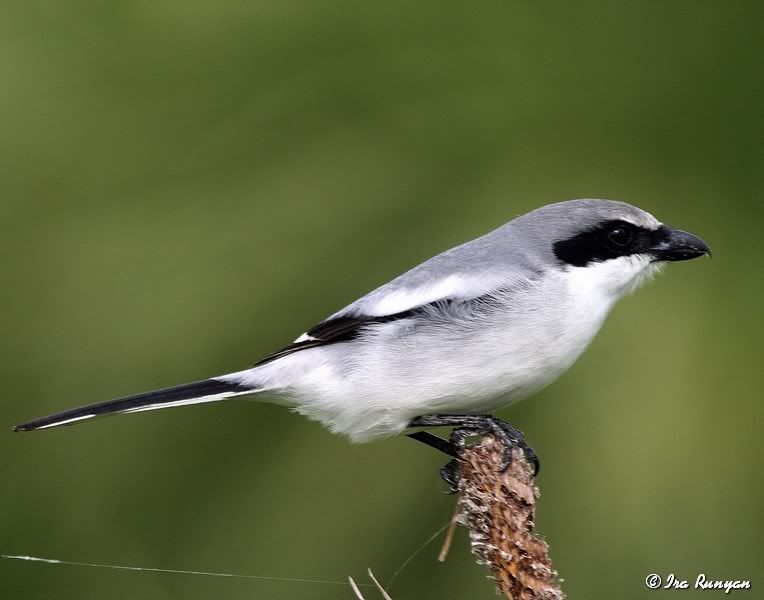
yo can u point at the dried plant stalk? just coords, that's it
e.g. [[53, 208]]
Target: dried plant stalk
[[498, 509]]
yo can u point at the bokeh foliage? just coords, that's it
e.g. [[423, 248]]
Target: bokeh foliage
[[187, 185]]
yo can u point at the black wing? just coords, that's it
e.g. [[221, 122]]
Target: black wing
[[343, 329], [346, 328]]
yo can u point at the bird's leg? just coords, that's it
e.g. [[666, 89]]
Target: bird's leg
[[450, 471], [433, 441], [469, 425]]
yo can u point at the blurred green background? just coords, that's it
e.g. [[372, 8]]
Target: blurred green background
[[188, 185]]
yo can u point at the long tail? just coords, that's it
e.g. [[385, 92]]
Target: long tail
[[207, 390]]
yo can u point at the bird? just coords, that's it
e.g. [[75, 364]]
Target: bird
[[463, 334]]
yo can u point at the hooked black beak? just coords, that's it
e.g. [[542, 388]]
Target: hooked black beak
[[675, 244]]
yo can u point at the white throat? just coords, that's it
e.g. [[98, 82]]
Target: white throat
[[610, 280]]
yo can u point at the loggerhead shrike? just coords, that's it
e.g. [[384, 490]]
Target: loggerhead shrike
[[466, 332]]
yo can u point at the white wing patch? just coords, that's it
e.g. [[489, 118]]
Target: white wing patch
[[453, 286], [304, 338]]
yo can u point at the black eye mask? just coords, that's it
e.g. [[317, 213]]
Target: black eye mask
[[611, 239]]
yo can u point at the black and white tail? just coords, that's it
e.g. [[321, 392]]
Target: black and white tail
[[207, 390]]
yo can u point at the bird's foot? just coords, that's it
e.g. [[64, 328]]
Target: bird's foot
[[465, 427], [510, 438]]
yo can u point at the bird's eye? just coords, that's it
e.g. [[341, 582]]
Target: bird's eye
[[620, 235]]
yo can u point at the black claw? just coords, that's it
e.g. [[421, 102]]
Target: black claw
[[514, 438], [450, 474], [531, 457]]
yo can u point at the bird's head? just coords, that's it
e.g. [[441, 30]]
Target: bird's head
[[608, 246]]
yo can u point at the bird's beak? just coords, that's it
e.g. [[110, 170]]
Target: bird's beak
[[675, 244]]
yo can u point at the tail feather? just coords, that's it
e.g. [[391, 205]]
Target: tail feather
[[207, 390]]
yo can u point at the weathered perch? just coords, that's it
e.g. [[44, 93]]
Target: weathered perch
[[498, 509]]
